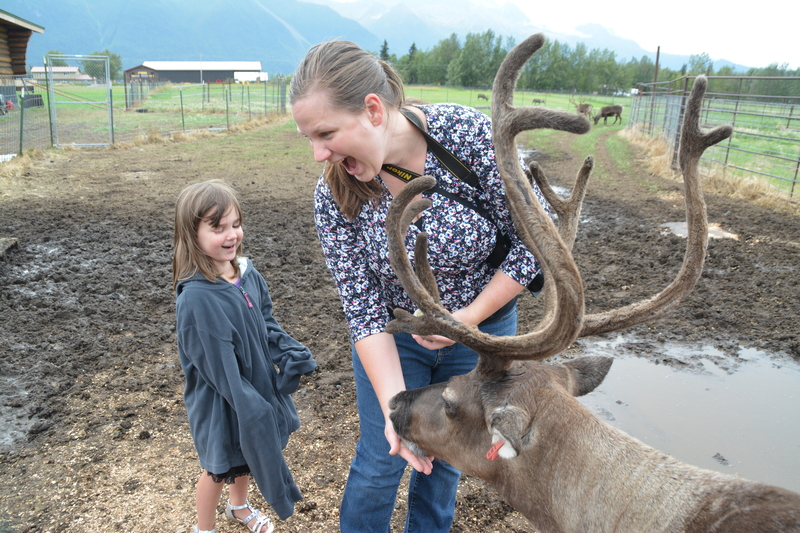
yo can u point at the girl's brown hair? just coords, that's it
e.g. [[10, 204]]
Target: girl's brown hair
[[208, 201], [347, 74]]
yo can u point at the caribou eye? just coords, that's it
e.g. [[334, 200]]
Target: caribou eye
[[449, 409]]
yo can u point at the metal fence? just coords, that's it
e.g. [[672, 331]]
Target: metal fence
[[156, 110], [166, 108], [766, 128], [24, 121], [81, 113]]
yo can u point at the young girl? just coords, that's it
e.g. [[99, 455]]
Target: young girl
[[239, 408]]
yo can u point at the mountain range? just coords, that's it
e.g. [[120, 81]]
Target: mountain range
[[278, 32]]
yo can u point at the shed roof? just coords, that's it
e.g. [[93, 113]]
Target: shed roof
[[204, 65], [38, 70], [13, 19]]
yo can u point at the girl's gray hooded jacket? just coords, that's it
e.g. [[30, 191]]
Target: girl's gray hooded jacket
[[238, 404]]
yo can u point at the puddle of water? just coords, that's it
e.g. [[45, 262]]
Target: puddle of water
[[14, 423], [715, 231], [742, 421]]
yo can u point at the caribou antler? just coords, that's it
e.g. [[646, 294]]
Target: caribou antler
[[569, 210], [693, 143], [563, 318]]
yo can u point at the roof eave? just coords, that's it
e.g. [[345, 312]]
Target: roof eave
[[21, 22]]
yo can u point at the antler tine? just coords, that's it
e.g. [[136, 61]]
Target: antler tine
[[420, 285], [569, 210], [423, 268], [516, 120], [692, 145], [401, 214]]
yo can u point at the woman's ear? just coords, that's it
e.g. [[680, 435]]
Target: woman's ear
[[376, 112]]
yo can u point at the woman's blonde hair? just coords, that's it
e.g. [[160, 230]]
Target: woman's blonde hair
[[208, 201], [346, 74]]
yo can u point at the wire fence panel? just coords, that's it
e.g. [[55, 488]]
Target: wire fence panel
[[79, 91], [86, 111], [766, 127], [24, 122], [165, 109]]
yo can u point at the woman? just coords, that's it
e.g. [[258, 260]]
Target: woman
[[350, 106]]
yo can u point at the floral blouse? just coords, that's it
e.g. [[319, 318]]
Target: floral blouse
[[460, 240]]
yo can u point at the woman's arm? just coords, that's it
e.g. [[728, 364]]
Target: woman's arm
[[378, 355]]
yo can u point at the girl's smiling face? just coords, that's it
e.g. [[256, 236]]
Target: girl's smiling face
[[221, 242], [340, 136]]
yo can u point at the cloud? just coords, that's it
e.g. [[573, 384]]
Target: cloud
[[756, 36]]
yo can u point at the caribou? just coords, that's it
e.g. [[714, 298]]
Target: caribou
[[581, 107], [609, 111], [514, 420]]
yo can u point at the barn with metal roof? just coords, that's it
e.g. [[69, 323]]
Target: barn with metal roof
[[191, 71]]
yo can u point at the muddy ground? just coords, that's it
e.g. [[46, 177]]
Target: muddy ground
[[95, 436]]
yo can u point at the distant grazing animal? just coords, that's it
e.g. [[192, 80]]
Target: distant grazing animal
[[582, 107], [482, 96], [609, 111], [538, 101], [513, 421]]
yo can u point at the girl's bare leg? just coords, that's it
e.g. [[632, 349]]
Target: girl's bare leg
[[206, 500]]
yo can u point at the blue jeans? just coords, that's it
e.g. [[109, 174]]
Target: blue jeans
[[371, 489]]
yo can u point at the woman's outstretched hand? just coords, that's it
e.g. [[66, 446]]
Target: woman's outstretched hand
[[420, 464], [437, 342], [433, 342]]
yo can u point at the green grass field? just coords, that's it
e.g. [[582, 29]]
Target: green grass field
[[764, 145], [470, 98]]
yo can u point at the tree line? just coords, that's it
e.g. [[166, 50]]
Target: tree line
[[558, 67]]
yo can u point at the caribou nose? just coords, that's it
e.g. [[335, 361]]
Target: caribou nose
[[402, 397], [398, 414]]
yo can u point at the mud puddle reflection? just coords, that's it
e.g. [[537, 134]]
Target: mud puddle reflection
[[737, 415]]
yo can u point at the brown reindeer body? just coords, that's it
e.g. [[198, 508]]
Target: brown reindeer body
[[609, 111], [566, 470], [556, 462]]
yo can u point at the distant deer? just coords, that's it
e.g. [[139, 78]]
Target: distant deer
[[609, 111], [482, 96], [538, 101], [514, 421], [581, 106]]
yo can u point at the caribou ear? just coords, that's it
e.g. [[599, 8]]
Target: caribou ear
[[587, 373], [510, 426]]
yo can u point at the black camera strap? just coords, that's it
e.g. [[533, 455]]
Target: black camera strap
[[458, 169]]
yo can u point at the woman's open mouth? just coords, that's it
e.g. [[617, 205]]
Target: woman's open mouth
[[349, 165]]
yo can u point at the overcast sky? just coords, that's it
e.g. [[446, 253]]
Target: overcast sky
[[753, 34]]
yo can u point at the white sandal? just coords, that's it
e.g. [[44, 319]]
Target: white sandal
[[260, 518], [195, 529]]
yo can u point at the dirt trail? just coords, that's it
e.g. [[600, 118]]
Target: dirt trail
[[91, 386]]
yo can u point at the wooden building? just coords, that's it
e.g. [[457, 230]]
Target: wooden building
[[62, 74], [190, 71], [14, 35]]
